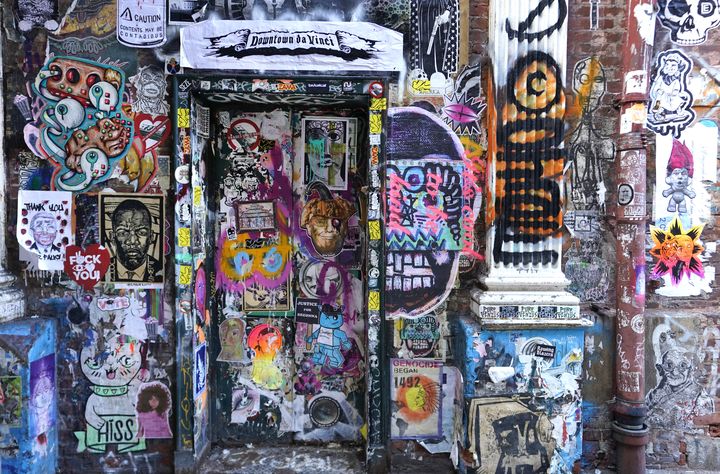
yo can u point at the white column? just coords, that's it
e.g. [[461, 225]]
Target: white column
[[528, 48], [12, 300]]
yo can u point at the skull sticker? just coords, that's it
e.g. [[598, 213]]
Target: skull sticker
[[689, 20]]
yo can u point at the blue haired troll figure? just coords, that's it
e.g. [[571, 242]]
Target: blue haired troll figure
[[329, 338]]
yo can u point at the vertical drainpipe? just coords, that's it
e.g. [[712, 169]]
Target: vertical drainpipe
[[629, 429]]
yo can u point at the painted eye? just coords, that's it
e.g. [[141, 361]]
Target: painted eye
[[92, 79], [127, 362], [92, 364], [72, 75], [56, 72]]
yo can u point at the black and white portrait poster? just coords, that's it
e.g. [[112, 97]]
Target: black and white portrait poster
[[290, 46], [44, 228], [434, 36], [325, 151], [132, 228]]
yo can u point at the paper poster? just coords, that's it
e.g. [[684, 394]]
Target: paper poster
[[416, 397], [682, 205], [132, 228], [325, 151], [42, 393], [200, 378], [154, 403], [10, 401], [187, 11], [290, 46], [141, 23], [44, 226]]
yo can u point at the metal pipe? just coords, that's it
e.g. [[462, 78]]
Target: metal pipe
[[629, 429]]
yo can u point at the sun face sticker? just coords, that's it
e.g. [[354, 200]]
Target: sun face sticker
[[678, 252], [418, 398]]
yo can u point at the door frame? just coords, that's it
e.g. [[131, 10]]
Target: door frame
[[193, 329]]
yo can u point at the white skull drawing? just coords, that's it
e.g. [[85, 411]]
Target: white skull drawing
[[689, 20]]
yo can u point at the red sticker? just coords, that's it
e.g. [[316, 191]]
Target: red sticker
[[376, 89], [243, 135], [86, 267]]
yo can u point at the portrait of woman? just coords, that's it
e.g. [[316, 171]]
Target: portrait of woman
[[153, 409]]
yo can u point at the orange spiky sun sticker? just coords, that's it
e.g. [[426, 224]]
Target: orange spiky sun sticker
[[678, 252]]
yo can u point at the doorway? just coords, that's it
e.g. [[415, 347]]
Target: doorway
[[288, 216]]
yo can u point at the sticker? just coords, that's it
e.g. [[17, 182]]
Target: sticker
[[670, 110], [243, 135], [545, 351], [232, 340], [374, 230], [150, 92], [254, 216], [326, 152], [184, 237], [378, 104], [324, 411], [307, 310], [182, 174], [636, 82], [183, 118], [11, 389], [375, 123], [200, 378], [42, 394], [44, 226], [376, 89], [132, 228], [375, 139], [153, 406], [185, 277], [374, 301], [416, 396], [625, 194], [141, 24], [86, 267]]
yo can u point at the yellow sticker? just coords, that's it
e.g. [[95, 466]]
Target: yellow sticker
[[374, 227], [374, 301], [375, 123], [378, 104], [184, 237], [197, 196], [185, 277], [421, 86], [183, 118]]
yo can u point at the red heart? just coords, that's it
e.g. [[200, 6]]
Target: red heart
[[86, 267], [152, 131]]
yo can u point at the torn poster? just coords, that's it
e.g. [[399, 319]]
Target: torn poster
[[416, 396], [290, 46], [44, 227]]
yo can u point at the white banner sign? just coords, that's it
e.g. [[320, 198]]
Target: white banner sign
[[290, 46], [141, 23]]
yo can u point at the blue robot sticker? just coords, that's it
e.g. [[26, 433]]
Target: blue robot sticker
[[329, 338]]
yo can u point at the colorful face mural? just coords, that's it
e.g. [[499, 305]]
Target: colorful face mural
[[677, 251], [424, 216], [112, 367], [84, 131], [265, 341], [325, 219]]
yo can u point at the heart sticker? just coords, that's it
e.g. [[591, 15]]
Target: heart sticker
[[87, 267], [152, 130]]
